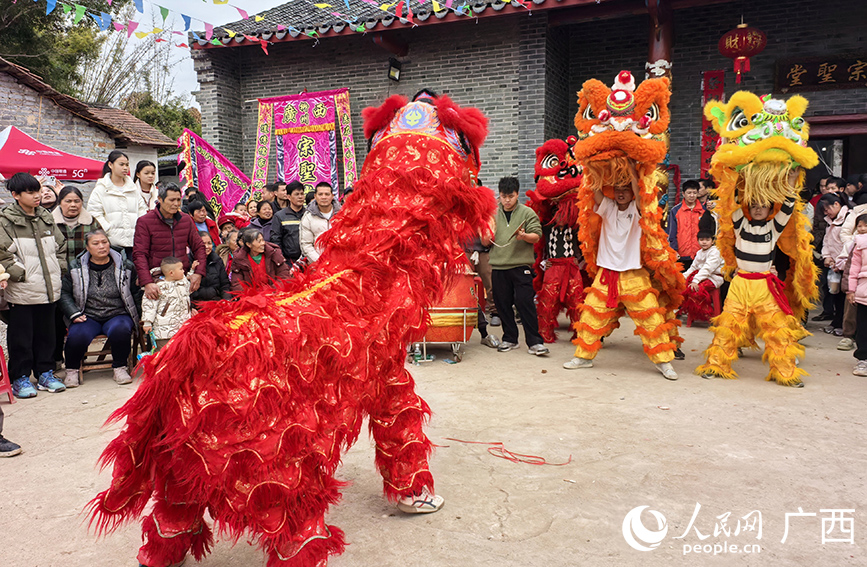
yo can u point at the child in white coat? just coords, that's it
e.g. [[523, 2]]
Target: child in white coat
[[702, 277], [165, 314]]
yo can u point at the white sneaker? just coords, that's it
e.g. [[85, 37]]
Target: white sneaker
[[578, 363], [121, 376], [491, 341], [423, 503], [846, 344], [538, 350], [71, 380], [860, 368], [667, 370]]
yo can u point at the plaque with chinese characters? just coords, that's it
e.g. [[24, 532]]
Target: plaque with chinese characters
[[821, 73]]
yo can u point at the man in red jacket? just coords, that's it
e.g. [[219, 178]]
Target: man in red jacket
[[683, 224], [164, 232]]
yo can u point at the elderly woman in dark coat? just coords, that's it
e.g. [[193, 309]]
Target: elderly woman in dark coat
[[215, 284], [97, 298]]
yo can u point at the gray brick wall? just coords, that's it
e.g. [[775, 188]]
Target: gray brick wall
[[50, 124], [221, 101]]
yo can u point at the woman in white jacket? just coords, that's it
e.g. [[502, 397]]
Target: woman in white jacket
[[116, 202]]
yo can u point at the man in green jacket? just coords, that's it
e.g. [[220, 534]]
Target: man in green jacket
[[33, 252], [517, 230]]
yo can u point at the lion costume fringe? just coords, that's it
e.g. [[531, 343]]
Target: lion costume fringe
[[762, 141]]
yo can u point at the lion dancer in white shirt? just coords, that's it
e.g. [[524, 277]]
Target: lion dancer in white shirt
[[622, 281]]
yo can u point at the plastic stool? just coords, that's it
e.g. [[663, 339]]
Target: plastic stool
[[717, 309], [5, 382]]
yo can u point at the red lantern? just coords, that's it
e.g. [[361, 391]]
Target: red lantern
[[740, 44]]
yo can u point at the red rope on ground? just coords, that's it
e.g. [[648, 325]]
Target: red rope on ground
[[498, 449]]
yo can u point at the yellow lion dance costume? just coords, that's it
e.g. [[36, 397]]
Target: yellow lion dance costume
[[761, 161], [619, 127]]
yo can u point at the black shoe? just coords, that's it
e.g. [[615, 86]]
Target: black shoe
[[824, 317], [678, 355], [8, 448]]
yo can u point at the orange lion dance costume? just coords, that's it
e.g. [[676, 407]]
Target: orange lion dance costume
[[559, 284], [246, 413], [760, 161], [618, 127]]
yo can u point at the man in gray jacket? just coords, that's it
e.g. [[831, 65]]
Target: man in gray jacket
[[33, 252], [320, 212]]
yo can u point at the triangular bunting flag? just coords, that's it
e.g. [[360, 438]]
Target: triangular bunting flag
[[184, 45], [79, 13], [186, 22], [209, 31], [322, 6], [49, 6], [399, 10], [259, 18], [216, 41], [436, 6], [244, 14], [160, 40], [142, 34], [106, 20], [280, 28], [130, 27], [139, 7], [66, 8], [118, 26], [164, 12], [230, 32], [264, 45], [157, 30], [221, 1], [196, 36]]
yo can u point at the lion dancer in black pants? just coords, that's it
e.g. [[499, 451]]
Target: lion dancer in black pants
[[517, 230]]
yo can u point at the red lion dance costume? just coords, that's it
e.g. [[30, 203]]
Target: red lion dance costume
[[560, 284], [616, 126], [246, 412]]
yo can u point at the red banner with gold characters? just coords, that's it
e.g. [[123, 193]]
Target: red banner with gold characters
[[306, 141], [712, 88]]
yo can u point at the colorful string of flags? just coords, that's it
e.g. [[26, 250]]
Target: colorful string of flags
[[401, 10]]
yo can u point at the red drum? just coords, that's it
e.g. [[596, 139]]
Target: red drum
[[455, 317]]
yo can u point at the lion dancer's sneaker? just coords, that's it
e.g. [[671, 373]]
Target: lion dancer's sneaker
[[423, 503]]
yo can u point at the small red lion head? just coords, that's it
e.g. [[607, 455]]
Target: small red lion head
[[557, 174]]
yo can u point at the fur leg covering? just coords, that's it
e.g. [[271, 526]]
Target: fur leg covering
[[597, 320], [562, 288], [402, 448], [730, 329], [171, 531], [780, 332]]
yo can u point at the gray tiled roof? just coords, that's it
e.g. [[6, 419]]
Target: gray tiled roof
[[303, 17]]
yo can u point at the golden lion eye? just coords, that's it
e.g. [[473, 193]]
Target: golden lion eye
[[588, 113], [738, 120], [550, 161], [653, 112]]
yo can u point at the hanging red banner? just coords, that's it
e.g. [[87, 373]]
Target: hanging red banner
[[712, 88]]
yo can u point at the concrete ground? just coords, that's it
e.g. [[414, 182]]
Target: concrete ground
[[634, 439]]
